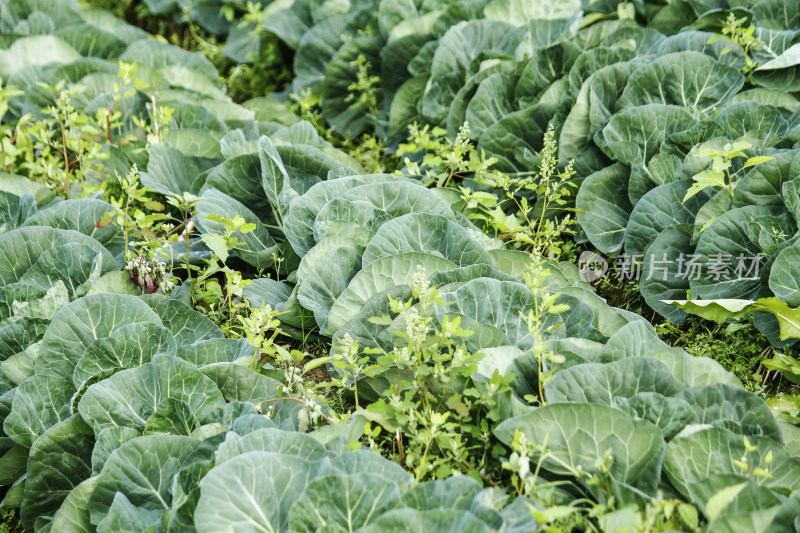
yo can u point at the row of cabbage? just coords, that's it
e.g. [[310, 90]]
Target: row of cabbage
[[152, 366], [637, 93], [662, 418], [76, 399], [116, 406]]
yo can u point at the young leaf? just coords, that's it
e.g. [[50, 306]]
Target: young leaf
[[719, 501], [703, 180], [757, 160], [217, 244]]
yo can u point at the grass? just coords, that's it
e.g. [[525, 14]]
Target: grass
[[9, 521], [739, 348]]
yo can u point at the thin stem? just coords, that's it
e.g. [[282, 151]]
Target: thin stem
[[127, 223], [108, 121], [64, 151], [423, 459], [484, 477], [188, 245], [230, 307], [399, 440]]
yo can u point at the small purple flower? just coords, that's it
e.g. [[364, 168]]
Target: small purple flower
[[146, 275]]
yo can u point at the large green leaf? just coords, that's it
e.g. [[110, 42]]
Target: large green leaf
[[21, 335], [77, 265], [722, 310], [274, 178], [171, 172], [19, 185], [722, 273], [377, 277], [359, 212], [327, 281], [367, 333], [787, 516], [20, 249], [258, 244], [348, 502], [418, 232], [602, 383], [271, 440], [130, 397], [495, 305], [44, 307], [607, 86], [39, 403], [125, 517], [365, 460], [157, 54], [15, 209], [518, 11], [141, 470], [239, 178], [413, 521], [635, 135], [82, 322], [193, 142], [191, 115], [452, 59], [689, 79], [456, 493], [346, 114], [82, 215], [35, 50], [671, 415], [657, 210], [544, 75], [319, 253], [770, 183], [776, 14], [493, 99], [516, 138], [749, 118], [73, 515], [172, 417], [299, 222], [605, 208], [781, 72], [583, 436], [664, 278], [697, 455], [240, 383], [13, 463], [637, 338], [469, 92], [127, 347], [186, 325], [268, 484], [783, 280], [59, 460], [403, 111], [212, 351], [107, 441], [720, 403], [773, 97]]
